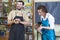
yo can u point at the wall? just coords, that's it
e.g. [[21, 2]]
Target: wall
[[46, 0]]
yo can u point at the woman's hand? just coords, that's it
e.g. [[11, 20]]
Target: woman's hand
[[40, 28], [36, 26]]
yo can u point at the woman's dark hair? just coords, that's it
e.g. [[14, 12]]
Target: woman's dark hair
[[21, 1], [44, 9]]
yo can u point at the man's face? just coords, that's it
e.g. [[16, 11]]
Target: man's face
[[19, 5], [40, 12]]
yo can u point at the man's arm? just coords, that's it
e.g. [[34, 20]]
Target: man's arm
[[26, 19], [10, 20], [25, 22]]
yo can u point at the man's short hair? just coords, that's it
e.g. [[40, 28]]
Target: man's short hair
[[21, 1]]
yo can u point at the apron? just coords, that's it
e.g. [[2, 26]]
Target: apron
[[17, 31], [47, 34]]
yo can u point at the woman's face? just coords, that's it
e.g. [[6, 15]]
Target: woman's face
[[40, 12]]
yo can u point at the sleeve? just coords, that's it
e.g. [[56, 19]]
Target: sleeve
[[41, 18], [25, 16], [10, 15], [51, 21]]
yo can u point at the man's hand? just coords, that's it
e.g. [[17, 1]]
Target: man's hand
[[17, 21]]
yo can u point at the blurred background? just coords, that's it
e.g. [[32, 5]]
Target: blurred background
[[5, 7]]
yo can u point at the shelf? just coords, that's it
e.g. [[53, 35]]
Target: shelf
[[3, 18], [2, 24], [0, 1], [29, 33], [1, 6]]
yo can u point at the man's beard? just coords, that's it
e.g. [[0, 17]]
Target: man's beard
[[18, 8]]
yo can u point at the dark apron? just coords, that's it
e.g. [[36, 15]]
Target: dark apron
[[47, 34], [17, 31]]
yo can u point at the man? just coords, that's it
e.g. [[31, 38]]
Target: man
[[18, 18]]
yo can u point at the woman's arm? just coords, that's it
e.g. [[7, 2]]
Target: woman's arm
[[51, 23], [42, 27], [26, 19], [46, 27]]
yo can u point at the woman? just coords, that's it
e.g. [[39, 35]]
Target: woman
[[47, 27]]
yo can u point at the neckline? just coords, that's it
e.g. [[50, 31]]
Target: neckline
[[19, 16]]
